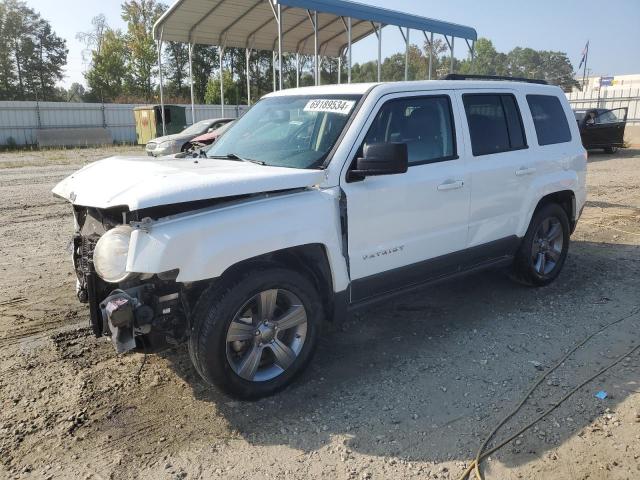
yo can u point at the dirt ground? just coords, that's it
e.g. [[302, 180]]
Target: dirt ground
[[406, 390]]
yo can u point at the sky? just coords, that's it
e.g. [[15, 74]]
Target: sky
[[563, 25]]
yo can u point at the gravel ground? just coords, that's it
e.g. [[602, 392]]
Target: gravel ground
[[407, 390]]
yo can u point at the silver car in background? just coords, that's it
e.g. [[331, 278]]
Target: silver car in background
[[180, 142]]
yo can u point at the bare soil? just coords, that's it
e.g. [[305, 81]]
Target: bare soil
[[406, 390]]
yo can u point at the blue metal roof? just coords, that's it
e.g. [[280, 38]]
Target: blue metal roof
[[251, 24], [383, 15]]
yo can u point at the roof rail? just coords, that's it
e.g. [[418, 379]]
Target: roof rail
[[461, 76]]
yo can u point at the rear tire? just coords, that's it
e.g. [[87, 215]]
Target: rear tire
[[544, 248], [254, 333]]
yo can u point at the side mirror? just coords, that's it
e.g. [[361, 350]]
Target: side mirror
[[382, 159]]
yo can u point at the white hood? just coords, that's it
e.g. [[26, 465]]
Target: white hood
[[142, 182]]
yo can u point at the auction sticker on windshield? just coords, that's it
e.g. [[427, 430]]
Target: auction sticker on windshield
[[342, 107]]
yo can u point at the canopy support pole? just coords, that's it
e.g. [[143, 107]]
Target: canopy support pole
[[378, 31], [273, 69], [406, 52], [431, 56], [339, 69], [349, 46], [248, 55], [450, 45], [313, 18], [472, 47], [164, 126], [347, 29], [279, 46], [429, 41], [193, 108], [315, 46], [221, 54], [297, 70], [452, 58]]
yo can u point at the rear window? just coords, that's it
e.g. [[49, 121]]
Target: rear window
[[549, 119], [495, 124]]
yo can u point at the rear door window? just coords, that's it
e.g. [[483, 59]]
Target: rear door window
[[549, 119], [495, 123]]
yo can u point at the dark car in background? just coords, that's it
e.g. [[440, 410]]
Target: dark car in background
[[602, 128]]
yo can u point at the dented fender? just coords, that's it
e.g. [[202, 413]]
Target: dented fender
[[203, 244]]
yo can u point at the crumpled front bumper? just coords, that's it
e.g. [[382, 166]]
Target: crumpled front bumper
[[136, 318]]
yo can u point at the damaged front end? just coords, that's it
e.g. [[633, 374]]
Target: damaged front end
[[140, 312]]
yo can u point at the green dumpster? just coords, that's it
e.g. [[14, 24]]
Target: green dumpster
[[148, 120]]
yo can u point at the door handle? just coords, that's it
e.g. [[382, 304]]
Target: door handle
[[525, 171], [451, 185]]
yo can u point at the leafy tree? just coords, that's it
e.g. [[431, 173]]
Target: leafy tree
[[8, 76], [33, 56], [108, 74], [176, 69], [557, 70], [46, 64], [212, 94], [76, 93], [393, 66], [140, 16], [205, 62], [487, 60], [93, 38]]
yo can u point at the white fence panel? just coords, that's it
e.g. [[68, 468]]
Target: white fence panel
[[19, 121], [610, 98]]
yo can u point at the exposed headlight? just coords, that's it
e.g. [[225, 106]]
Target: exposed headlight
[[110, 254]]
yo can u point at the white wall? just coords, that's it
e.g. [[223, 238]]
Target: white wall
[[20, 120]]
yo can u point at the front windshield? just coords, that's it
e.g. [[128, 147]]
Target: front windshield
[[291, 131], [197, 127]]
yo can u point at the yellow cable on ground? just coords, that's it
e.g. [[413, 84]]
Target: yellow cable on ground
[[480, 455]]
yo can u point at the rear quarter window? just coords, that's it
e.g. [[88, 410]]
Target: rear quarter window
[[494, 123], [549, 119]]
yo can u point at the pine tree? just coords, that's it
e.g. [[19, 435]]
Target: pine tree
[[33, 56]]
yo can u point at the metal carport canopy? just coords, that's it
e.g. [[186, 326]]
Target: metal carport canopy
[[253, 24], [312, 27]]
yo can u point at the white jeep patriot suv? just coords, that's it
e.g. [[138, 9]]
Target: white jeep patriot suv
[[316, 202]]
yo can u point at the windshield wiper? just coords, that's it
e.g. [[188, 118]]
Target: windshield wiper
[[233, 156]]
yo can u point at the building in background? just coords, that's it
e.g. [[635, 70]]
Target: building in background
[[611, 92], [611, 83]]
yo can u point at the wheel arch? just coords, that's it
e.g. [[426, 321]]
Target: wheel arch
[[311, 260], [566, 199]]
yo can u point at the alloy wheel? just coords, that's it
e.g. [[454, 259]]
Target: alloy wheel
[[266, 335], [547, 246]]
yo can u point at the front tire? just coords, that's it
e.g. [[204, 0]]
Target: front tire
[[252, 335], [544, 248]]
